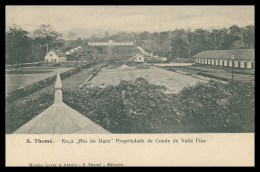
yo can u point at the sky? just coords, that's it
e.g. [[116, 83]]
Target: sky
[[129, 18]]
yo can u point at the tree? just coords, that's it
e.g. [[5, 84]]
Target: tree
[[18, 45], [237, 34], [45, 36], [45, 39], [249, 36], [71, 35], [144, 35]]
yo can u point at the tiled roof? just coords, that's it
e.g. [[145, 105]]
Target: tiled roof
[[241, 54]]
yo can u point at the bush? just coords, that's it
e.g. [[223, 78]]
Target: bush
[[141, 107], [142, 66], [218, 107], [20, 113], [130, 107]]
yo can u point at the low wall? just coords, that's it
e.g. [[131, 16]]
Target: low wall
[[172, 64], [29, 89], [90, 77], [24, 65]]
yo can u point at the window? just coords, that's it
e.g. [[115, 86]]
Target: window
[[238, 64], [55, 60], [245, 64], [252, 65], [51, 54], [227, 63], [139, 58]]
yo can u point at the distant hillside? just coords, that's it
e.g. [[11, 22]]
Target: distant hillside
[[86, 33]]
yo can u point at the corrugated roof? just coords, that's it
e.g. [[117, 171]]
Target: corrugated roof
[[243, 54]]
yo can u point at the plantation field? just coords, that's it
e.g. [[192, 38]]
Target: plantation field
[[28, 75], [172, 80]]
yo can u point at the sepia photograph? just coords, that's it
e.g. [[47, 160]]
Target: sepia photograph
[[129, 69]]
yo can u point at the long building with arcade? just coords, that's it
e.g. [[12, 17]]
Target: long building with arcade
[[241, 58], [109, 43]]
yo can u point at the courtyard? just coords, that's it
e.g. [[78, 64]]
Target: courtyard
[[173, 81]]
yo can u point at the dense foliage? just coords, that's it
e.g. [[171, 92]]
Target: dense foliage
[[20, 113], [18, 45], [126, 108], [25, 47], [140, 107], [21, 47], [187, 43], [218, 107]]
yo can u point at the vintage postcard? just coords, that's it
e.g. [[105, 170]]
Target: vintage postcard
[[91, 86]]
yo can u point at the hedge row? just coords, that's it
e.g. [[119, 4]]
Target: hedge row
[[29, 89]]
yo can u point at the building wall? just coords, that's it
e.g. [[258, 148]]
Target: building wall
[[236, 63], [217, 62], [139, 59], [220, 62], [62, 59], [249, 65], [109, 43], [242, 64], [226, 63], [51, 57]]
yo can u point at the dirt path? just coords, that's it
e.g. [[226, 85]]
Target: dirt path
[[71, 82]]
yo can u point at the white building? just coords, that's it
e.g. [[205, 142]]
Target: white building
[[139, 59], [110, 42], [71, 51], [164, 59], [242, 58], [55, 56]]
